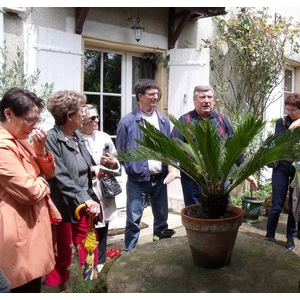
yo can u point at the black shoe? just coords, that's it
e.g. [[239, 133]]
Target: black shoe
[[270, 239], [290, 244], [167, 233]]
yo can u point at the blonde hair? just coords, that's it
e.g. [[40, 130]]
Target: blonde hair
[[89, 111]]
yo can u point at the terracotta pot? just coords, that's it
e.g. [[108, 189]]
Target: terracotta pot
[[212, 240]]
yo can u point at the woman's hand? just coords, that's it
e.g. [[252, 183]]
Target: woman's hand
[[294, 125], [109, 161], [98, 172], [92, 208], [39, 140], [253, 183]]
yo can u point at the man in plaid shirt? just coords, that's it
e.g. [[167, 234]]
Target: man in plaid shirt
[[204, 104]]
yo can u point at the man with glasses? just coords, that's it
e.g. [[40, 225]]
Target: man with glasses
[[145, 177]]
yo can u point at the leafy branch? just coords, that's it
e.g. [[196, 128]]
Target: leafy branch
[[247, 59], [13, 76]]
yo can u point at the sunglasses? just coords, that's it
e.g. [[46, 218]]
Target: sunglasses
[[93, 118]]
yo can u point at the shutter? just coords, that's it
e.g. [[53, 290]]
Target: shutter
[[57, 54], [188, 68]]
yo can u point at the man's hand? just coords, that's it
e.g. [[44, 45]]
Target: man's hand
[[173, 173]]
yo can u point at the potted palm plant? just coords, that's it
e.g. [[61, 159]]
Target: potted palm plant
[[211, 162]]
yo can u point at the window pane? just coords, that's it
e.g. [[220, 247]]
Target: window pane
[[112, 73], [134, 103], [137, 63], [288, 81], [111, 114], [92, 62], [93, 99]]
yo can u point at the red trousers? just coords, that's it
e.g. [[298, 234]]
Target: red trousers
[[66, 235]]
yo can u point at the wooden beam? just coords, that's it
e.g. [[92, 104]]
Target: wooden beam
[[80, 16], [188, 14], [175, 33]]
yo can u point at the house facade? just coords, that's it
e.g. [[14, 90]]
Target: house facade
[[95, 51]]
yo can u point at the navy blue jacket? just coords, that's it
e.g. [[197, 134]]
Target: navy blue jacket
[[128, 130]]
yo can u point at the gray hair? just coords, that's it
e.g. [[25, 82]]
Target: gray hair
[[202, 88]]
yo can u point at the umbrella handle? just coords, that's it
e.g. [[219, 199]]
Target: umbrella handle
[[77, 210], [77, 215]]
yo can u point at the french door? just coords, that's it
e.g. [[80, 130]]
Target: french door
[[109, 78]]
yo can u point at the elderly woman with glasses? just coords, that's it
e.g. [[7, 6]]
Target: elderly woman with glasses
[[26, 250], [72, 184], [282, 175], [102, 148]]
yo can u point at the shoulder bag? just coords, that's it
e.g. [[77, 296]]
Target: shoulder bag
[[110, 186]]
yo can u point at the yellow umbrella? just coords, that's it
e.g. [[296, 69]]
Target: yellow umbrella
[[90, 243]]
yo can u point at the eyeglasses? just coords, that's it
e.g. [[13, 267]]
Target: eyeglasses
[[31, 121], [93, 118], [153, 94], [292, 109]]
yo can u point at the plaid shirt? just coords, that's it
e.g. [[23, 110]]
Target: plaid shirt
[[222, 124]]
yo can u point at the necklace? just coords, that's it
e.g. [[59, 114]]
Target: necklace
[[73, 143]]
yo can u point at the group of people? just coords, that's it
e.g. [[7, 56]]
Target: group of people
[[63, 166], [59, 168]]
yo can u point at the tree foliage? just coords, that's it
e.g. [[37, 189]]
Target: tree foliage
[[13, 76], [248, 58]]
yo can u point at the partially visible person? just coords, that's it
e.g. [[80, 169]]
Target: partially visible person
[[3, 283], [283, 175], [26, 249], [145, 177], [102, 149], [203, 97], [72, 184]]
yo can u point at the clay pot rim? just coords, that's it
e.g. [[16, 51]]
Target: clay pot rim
[[232, 208]]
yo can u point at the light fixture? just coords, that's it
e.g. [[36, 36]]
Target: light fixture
[[138, 28]]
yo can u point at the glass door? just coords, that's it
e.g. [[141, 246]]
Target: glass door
[[109, 79]]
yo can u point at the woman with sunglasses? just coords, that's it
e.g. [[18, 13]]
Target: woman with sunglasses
[[102, 149]]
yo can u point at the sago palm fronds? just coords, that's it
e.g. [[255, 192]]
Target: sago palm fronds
[[209, 160]]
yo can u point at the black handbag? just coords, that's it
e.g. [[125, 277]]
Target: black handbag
[[110, 187]]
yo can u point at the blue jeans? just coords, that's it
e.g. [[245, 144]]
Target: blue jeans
[[192, 192], [137, 193], [282, 176]]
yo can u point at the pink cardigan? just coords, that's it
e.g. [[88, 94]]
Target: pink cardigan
[[26, 250]]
